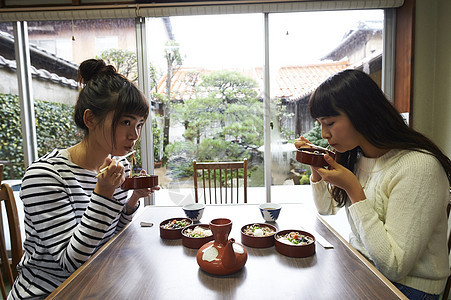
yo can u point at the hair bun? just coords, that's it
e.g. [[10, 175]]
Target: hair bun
[[93, 67]]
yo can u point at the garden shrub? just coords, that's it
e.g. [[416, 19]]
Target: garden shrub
[[54, 129]]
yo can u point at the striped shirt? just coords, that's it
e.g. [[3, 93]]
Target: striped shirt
[[65, 222]]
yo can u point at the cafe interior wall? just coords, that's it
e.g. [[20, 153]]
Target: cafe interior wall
[[431, 107]]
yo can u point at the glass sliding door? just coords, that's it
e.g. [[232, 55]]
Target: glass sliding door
[[206, 97], [305, 49]]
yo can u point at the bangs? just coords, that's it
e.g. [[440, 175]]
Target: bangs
[[322, 103], [133, 102]]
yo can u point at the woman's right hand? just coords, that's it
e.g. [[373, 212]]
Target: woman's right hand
[[110, 179]]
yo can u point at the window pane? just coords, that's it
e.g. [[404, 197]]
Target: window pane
[[305, 49], [56, 49], [206, 97]]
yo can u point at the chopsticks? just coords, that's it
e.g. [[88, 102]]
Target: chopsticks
[[118, 159], [317, 147], [319, 238]]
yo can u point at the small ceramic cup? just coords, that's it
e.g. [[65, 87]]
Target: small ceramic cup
[[270, 211], [194, 211]]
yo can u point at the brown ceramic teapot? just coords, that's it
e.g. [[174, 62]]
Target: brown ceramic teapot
[[221, 256]]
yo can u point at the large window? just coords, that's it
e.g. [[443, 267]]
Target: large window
[[207, 85], [208, 90]]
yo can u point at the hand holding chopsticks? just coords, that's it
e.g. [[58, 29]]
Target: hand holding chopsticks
[[118, 159]]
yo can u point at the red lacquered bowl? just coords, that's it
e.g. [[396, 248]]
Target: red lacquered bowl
[[195, 242], [170, 233], [140, 182], [313, 156], [293, 250], [258, 241]]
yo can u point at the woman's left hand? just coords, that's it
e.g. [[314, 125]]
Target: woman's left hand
[[140, 193], [341, 177]]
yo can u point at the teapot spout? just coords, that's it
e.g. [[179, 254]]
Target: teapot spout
[[229, 260]]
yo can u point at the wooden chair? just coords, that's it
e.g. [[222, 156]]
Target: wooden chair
[[9, 268], [219, 181]]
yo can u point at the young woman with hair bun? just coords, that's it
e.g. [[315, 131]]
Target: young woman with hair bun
[[70, 210], [393, 182]]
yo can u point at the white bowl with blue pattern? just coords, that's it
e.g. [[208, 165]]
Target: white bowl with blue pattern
[[270, 211], [194, 211]]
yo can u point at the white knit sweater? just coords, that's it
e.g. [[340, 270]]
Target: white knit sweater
[[401, 226], [65, 222]]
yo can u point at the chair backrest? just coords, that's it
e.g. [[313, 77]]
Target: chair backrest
[[218, 182], [7, 197]]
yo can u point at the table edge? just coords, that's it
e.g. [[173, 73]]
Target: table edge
[[83, 266], [364, 260]]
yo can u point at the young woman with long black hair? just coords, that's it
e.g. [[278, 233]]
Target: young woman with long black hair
[[393, 182]]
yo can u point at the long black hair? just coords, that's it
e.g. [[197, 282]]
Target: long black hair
[[104, 90], [354, 93]]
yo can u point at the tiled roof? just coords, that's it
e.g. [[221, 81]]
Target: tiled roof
[[40, 57], [294, 82], [363, 30], [39, 73], [291, 82]]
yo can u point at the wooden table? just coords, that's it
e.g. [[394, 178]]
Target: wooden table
[[138, 264]]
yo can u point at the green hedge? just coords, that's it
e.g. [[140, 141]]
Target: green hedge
[[54, 129]]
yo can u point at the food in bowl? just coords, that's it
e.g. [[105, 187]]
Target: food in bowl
[[198, 232], [295, 243], [176, 224], [295, 238], [258, 230], [195, 236], [258, 235], [172, 228]]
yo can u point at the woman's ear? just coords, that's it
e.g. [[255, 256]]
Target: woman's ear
[[89, 119]]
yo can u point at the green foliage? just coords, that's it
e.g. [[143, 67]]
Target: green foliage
[[223, 118], [314, 136], [54, 129], [11, 146], [229, 85], [305, 179], [172, 53], [124, 61], [182, 154], [282, 116], [157, 139], [226, 107]]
